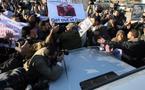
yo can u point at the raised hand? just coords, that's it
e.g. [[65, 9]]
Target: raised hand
[[55, 29], [24, 49]]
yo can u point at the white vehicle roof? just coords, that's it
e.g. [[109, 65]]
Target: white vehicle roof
[[86, 63], [131, 81]]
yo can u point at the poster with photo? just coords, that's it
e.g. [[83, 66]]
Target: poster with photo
[[84, 26], [138, 10], [65, 12]]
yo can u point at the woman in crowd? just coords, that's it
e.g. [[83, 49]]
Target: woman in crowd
[[120, 37]]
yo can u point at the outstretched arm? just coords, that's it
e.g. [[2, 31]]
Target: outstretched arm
[[49, 37]]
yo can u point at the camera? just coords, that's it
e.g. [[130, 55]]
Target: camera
[[22, 41]]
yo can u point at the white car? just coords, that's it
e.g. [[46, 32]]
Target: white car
[[133, 80], [89, 68]]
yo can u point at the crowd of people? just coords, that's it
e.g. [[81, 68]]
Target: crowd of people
[[36, 58]]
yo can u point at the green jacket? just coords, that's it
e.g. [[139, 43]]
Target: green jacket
[[39, 66]]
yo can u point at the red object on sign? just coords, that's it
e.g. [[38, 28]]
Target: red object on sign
[[66, 10]]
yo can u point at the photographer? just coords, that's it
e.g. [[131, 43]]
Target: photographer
[[43, 65], [37, 72], [24, 50], [40, 68]]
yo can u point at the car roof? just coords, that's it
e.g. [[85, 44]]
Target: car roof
[[85, 63]]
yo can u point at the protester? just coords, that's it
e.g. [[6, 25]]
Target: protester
[[43, 65], [120, 37], [119, 17], [44, 68], [131, 49], [40, 69], [112, 27], [23, 50]]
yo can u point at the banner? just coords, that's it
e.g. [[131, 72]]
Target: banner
[[64, 12], [9, 26]]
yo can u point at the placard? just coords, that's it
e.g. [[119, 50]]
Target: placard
[[65, 13], [9, 26], [138, 10], [84, 26]]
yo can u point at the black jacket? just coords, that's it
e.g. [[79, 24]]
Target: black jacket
[[133, 51], [70, 40]]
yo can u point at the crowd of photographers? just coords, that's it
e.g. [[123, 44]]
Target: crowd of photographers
[[35, 59]]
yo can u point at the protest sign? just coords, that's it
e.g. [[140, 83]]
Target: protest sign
[[138, 10], [64, 12], [84, 26], [9, 26]]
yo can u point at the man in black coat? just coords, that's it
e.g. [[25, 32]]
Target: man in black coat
[[132, 50]]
